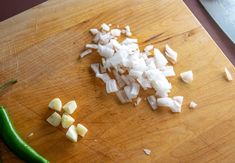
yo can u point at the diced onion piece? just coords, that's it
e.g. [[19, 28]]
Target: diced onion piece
[[138, 100], [152, 101], [102, 69], [161, 87], [55, 104], [147, 151], [115, 32], [165, 101], [144, 83], [86, 52], [171, 54], [130, 78], [187, 76], [105, 27], [134, 91], [67, 120], [119, 80], [92, 46], [105, 51], [228, 74], [104, 77], [178, 99], [174, 103], [129, 41], [97, 37], [160, 59], [81, 130], [128, 30], [95, 68], [104, 38], [70, 107], [125, 79], [148, 48], [94, 31], [122, 96], [127, 90], [111, 86], [192, 105], [71, 134], [135, 73], [168, 71], [54, 119], [176, 107]]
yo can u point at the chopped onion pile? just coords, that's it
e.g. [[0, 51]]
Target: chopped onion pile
[[133, 68], [67, 120]]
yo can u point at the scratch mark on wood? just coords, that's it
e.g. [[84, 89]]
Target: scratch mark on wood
[[153, 37]]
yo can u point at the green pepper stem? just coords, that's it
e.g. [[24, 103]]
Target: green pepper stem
[[7, 84]]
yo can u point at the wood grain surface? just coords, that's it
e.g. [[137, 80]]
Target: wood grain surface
[[40, 48]]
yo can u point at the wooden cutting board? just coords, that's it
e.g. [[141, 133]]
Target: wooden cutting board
[[40, 48]]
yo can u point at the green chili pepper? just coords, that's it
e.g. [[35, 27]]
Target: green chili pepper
[[14, 141]]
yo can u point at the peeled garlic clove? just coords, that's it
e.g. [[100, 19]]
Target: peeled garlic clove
[[70, 107], [54, 119], [187, 76], [55, 104], [67, 121], [228, 74], [192, 105], [81, 130], [71, 134]]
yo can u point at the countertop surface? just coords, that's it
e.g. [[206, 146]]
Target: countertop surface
[[40, 48]]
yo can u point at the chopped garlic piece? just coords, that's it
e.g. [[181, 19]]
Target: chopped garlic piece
[[105, 27], [192, 105], [228, 74], [54, 119], [147, 151], [67, 120], [187, 76], [55, 104], [72, 134], [81, 130], [70, 107], [86, 52]]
